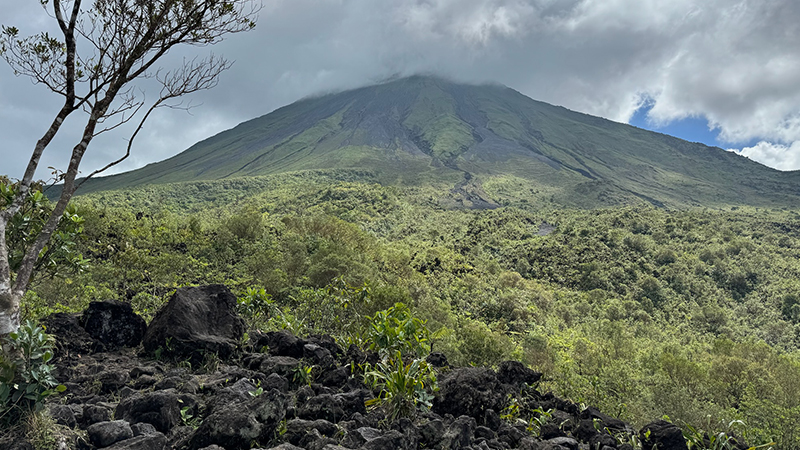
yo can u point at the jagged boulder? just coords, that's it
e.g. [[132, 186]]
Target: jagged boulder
[[662, 435], [515, 373], [103, 434], [236, 424], [459, 434], [232, 427], [114, 324], [70, 337], [196, 321], [161, 409], [298, 429], [325, 406], [156, 441], [282, 343], [469, 391]]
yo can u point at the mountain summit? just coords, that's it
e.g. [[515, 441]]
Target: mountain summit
[[420, 129]]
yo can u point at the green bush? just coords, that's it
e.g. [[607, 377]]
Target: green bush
[[338, 309], [61, 254], [405, 387], [26, 377], [397, 330], [481, 346], [256, 305]]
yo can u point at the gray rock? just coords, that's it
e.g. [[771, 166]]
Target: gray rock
[[297, 429], [159, 408], [93, 414], [459, 434], [114, 324], [469, 391], [530, 443], [230, 426], [103, 434], [566, 442], [285, 366], [318, 356], [485, 433], [63, 415], [70, 337], [392, 439], [143, 429], [431, 432], [276, 381], [282, 343], [195, 321], [360, 436], [515, 373], [155, 441], [662, 435], [235, 425], [325, 406], [112, 380]]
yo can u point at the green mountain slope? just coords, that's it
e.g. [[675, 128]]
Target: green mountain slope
[[423, 129]]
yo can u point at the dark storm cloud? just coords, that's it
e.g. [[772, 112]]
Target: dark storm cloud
[[734, 63]]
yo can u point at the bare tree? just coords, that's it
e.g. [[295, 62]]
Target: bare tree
[[120, 42]]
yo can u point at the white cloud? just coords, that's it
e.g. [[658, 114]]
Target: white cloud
[[470, 21], [781, 157], [733, 62]]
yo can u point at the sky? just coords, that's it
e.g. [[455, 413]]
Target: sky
[[722, 72]]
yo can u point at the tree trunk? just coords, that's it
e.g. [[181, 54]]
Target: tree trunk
[[9, 300], [9, 311]]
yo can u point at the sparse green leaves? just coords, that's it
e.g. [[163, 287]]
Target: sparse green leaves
[[404, 386], [61, 255], [9, 32], [26, 377], [397, 330]]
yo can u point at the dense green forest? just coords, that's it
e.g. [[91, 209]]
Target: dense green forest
[[643, 312]]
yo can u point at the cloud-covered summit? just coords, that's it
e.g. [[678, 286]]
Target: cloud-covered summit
[[732, 63]]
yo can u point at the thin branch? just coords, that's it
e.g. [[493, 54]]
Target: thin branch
[[193, 76], [128, 147], [127, 38]]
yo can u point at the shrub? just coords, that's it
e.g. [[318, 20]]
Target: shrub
[[256, 304], [481, 346], [404, 387], [338, 309], [397, 330], [26, 377]]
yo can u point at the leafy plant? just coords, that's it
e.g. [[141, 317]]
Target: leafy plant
[[26, 377], [511, 412], [538, 420], [256, 304], [397, 330], [338, 308], [303, 375], [404, 387], [188, 418], [699, 439], [256, 392], [61, 255]]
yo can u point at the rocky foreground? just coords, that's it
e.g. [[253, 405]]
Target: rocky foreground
[[190, 381]]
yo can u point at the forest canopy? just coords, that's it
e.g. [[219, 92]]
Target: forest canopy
[[643, 312]]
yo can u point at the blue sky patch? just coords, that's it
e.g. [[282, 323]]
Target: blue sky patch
[[692, 129]]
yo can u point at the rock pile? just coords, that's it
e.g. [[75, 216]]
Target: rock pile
[[126, 401]]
